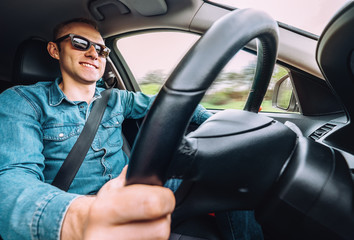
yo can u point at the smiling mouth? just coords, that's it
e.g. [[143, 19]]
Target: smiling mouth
[[89, 65]]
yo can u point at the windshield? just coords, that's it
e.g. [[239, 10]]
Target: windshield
[[308, 15]]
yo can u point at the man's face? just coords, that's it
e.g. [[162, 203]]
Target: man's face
[[85, 67]]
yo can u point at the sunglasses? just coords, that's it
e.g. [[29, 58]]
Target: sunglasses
[[83, 44]]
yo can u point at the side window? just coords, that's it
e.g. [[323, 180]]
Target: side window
[[153, 56]]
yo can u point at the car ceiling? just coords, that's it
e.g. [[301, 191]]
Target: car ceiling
[[192, 15], [39, 21]]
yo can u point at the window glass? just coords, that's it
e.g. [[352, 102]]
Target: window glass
[[231, 87], [152, 57]]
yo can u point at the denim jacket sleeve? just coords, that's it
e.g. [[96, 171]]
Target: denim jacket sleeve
[[30, 208], [200, 115], [137, 104]]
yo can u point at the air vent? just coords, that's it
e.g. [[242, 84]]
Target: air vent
[[320, 132]]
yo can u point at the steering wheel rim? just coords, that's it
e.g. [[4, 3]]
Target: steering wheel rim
[[163, 130]]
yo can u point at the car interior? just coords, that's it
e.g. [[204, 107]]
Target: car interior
[[293, 168]]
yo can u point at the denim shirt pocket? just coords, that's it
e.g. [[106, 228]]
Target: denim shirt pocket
[[113, 130], [60, 132], [59, 139]]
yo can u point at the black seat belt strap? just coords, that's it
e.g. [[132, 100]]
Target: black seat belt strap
[[73, 161]]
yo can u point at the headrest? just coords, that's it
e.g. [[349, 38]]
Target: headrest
[[34, 64]]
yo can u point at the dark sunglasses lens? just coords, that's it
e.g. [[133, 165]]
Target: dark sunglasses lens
[[102, 50], [98, 48], [80, 43], [83, 45]]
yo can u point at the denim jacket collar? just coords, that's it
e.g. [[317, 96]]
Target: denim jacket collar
[[56, 95]]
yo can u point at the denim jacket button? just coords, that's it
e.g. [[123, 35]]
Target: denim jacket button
[[61, 135]]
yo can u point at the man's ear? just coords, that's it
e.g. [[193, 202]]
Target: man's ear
[[53, 50]]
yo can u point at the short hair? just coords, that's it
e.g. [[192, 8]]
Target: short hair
[[57, 30]]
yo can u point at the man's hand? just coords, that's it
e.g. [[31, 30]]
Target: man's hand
[[121, 212]]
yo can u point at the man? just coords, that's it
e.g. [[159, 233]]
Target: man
[[39, 124]]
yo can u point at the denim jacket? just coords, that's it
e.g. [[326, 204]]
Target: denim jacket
[[38, 127]]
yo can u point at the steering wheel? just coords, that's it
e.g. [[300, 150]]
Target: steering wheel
[[239, 159], [163, 129]]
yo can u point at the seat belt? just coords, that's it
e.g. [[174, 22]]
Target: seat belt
[[76, 156]]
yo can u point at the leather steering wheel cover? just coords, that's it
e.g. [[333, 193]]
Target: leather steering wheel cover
[[165, 124]]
